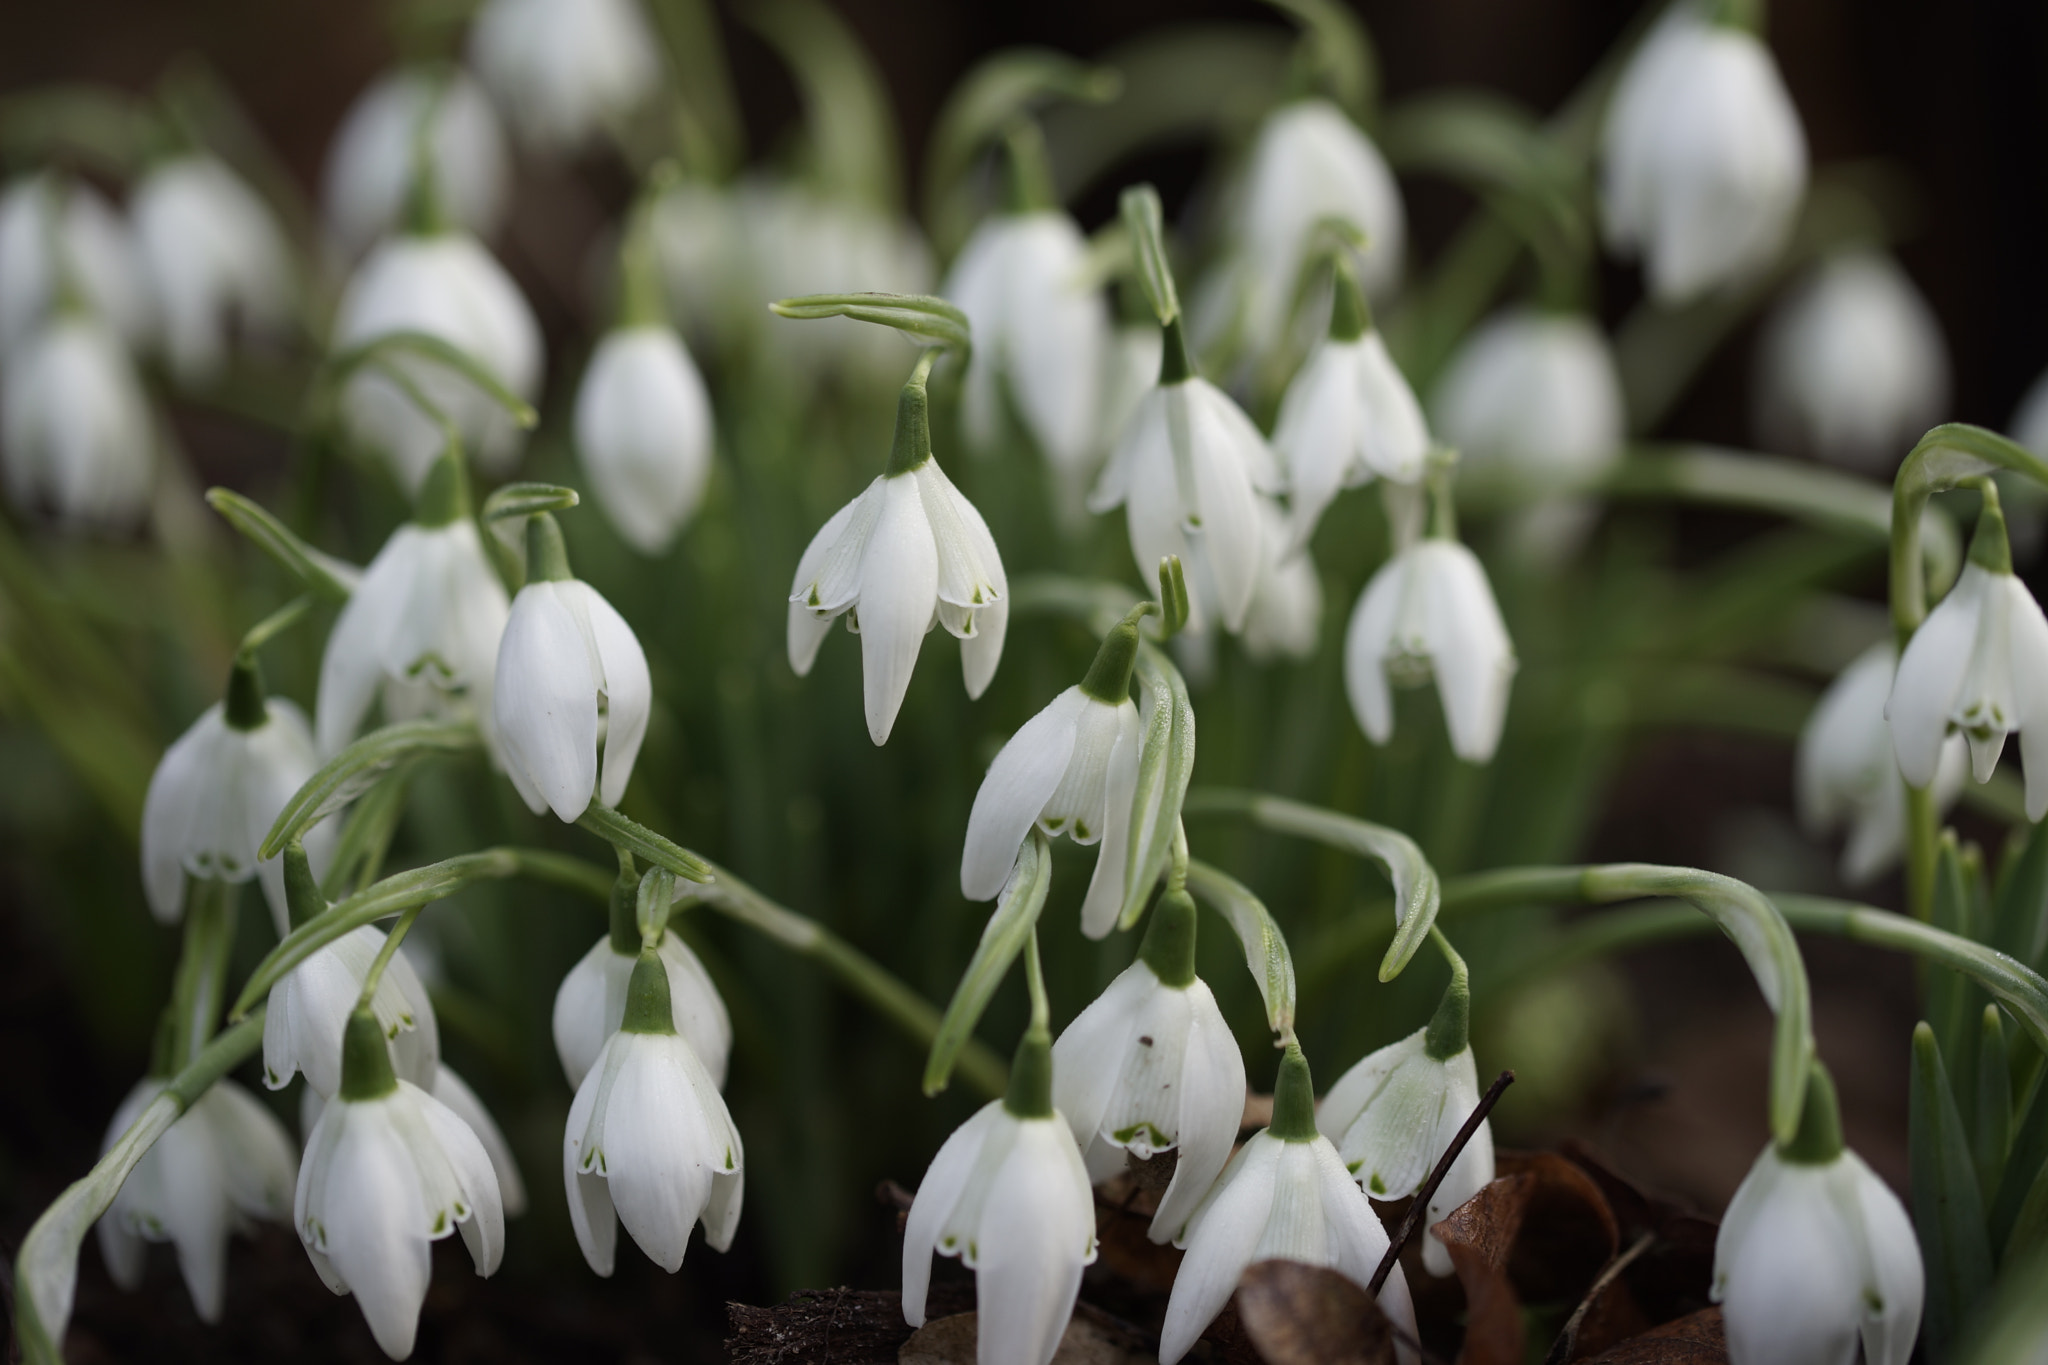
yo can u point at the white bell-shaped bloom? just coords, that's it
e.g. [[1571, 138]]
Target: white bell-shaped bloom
[[1395, 1113], [1532, 402], [1979, 665], [304, 1028], [911, 552], [565, 70], [76, 426], [1704, 161], [1284, 1196], [1286, 616], [1852, 365], [1151, 1066], [649, 1139], [568, 667], [643, 428], [454, 1092], [1348, 417], [56, 232], [389, 1170], [225, 1161], [1187, 470], [1041, 331], [1429, 613], [214, 797], [1846, 774], [373, 162], [1009, 1196], [214, 254], [590, 1005], [1812, 1258], [447, 286], [1310, 163]]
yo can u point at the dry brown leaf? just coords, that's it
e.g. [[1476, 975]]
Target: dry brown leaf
[[1696, 1339], [1297, 1314]]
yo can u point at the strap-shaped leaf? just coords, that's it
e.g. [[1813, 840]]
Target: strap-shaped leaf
[[2019, 913], [1948, 1210], [1145, 219], [1265, 947], [378, 349], [321, 573], [1166, 760], [349, 773], [924, 316], [1338, 51], [644, 843], [1016, 914], [528, 499]]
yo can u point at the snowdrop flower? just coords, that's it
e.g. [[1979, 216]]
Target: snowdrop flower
[[225, 1161], [54, 234], [1348, 417], [907, 554], [304, 1028], [1151, 1066], [76, 426], [454, 1092], [1186, 471], [388, 1170], [591, 1003], [643, 428], [446, 285], [1704, 161], [1816, 1253], [1286, 615], [213, 252], [1310, 163], [217, 791], [421, 629], [1284, 1196], [650, 1139], [1071, 769], [568, 667], [1532, 402], [1846, 774], [1978, 664], [1429, 612], [1396, 1112], [1852, 365], [565, 70], [372, 166], [1007, 1193]]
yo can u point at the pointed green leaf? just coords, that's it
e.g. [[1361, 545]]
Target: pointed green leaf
[[1992, 1133], [528, 499], [923, 316], [1002, 939], [2019, 919], [2026, 1162], [1165, 764], [1266, 954], [1948, 1210], [644, 843], [350, 773], [1145, 219], [331, 578]]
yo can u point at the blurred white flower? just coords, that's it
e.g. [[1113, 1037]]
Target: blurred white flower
[[1429, 613], [1703, 158], [304, 1027], [591, 1003], [214, 255], [1852, 365], [1532, 402], [703, 255], [373, 162], [1846, 774], [1286, 615], [447, 286], [225, 1161], [794, 241], [55, 233], [1131, 370], [454, 1092], [565, 70], [643, 428], [76, 426]]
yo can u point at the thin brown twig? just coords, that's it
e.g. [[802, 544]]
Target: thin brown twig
[[1562, 1347], [1436, 1178]]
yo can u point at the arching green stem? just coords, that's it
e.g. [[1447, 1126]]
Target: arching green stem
[[375, 976]]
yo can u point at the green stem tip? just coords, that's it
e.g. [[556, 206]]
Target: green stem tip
[[302, 898], [1350, 314], [1175, 367], [1169, 944], [1294, 1099], [1819, 1139], [625, 912], [245, 707], [444, 495], [1989, 548], [1450, 1028], [913, 443], [1030, 1092], [1109, 677], [366, 1072], [547, 556], [648, 1009]]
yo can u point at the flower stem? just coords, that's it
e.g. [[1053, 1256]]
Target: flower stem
[[375, 975], [1450, 1028], [1034, 981], [201, 981]]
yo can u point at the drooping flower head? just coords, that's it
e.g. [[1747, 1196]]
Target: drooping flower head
[[76, 435], [1532, 402], [59, 236], [214, 256], [372, 163], [565, 70]]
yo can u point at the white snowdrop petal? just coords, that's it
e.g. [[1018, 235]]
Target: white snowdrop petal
[[1104, 900], [591, 1215], [374, 1233], [1211, 1103], [1039, 1232], [1019, 783], [1367, 643], [1220, 1241], [643, 429], [937, 1195], [899, 574], [1931, 675], [545, 702], [454, 1093], [1087, 1056]]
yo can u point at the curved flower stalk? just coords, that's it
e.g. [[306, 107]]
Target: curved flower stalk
[[225, 1161], [422, 628], [568, 667], [909, 553], [565, 70], [1815, 1253], [1532, 402], [590, 1005], [59, 236], [76, 435], [371, 165], [1286, 615], [1978, 665], [446, 285], [649, 1138], [1348, 417], [1703, 159], [1151, 1066], [793, 240], [1846, 773], [1852, 366], [214, 255], [1284, 1196], [389, 1170], [1071, 769], [1396, 1112]]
